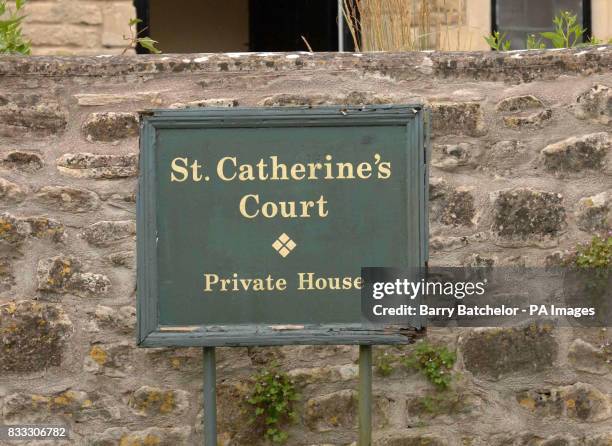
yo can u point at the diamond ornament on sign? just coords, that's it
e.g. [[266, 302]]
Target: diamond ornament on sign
[[284, 245]]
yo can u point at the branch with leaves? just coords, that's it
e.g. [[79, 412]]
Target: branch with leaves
[[134, 38]]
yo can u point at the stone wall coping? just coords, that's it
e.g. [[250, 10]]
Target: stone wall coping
[[517, 66]]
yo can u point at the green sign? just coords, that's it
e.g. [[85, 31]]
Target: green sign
[[254, 224]]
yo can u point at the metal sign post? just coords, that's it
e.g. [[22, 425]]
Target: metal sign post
[[210, 396], [365, 395]]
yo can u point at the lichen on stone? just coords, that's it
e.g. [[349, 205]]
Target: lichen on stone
[[525, 213], [62, 274], [110, 126], [32, 336], [576, 154]]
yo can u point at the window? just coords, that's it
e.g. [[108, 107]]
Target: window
[[194, 26], [520, 18]]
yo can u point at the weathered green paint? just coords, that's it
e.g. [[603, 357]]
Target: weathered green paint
[[365, 395], [190, 228]]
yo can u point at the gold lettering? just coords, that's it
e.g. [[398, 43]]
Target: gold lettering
[[180, 169], [221, 166], [195, 169], [305, 206], [305, 282], [225, 284], [345, 167], [261, 166], [312, 168], [364, 171], [322, 211], [284, 209], [298, 171], [246, 173], [309, 282], [210, 279], [269, 209], [288, 209], [384, 169], [328, 168], [276, 168], [243, 204], [358, 283]]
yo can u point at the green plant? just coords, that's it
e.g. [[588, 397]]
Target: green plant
[[11, 39], [596, 254], [498, 42], [272, 399], [595, 41], [384, 364], [567, 33], [534, 43], [134, 40], [435, 362], [590, 275]]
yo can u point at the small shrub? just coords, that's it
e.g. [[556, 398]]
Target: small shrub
[[498, 42], [596, 254], [385, 364], [435, 362], [591, 274], [595, 41], [535, 43], [568, 32], [11, 39], [272, 399]]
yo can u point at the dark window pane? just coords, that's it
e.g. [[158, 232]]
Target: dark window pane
[[540, 16], [507, 12], [518, 39], [569, 5]]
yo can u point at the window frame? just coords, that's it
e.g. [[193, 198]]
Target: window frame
[[142, 28]]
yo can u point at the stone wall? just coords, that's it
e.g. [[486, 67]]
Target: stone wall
[[520, 170], [68, 27]]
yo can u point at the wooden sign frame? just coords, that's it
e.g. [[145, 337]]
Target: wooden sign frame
[[151, 334]]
